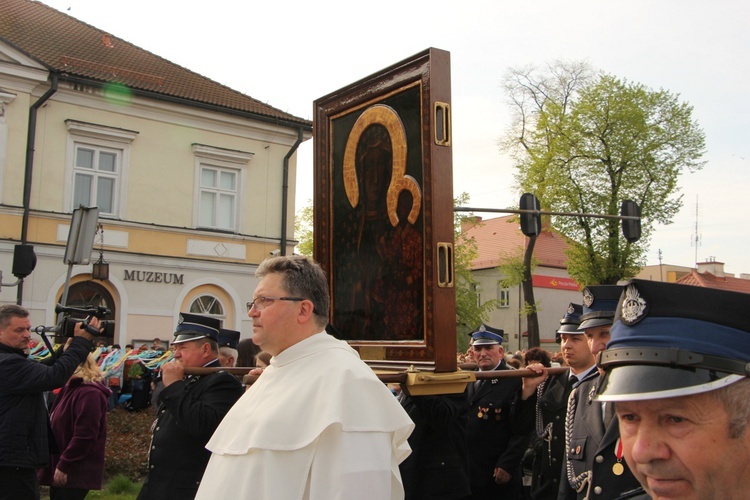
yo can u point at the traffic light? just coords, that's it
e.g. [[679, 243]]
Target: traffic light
[[631, 228], [531, 224]]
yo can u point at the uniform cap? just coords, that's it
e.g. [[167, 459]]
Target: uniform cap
[[195, 326], [599, 303], [672, 340], [570, 322], [228, 338], [486, 335]]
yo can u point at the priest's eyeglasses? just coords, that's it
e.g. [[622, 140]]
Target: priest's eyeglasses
[[261, 303]]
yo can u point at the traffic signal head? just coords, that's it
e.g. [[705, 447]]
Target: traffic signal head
[[531, 224], [631, 228]]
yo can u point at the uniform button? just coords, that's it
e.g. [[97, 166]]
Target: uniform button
[[557, 417], [554, 480], [152, 467], [554, 460], [153, 447], [599, 459], [598, 490], [554, 438]]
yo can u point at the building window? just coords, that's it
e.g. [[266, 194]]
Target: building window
[[219, 178], [207, 305], [218, 198], [503, 297], [97, 162], [96, 172]]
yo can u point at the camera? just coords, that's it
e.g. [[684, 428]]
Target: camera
[[66, 326]]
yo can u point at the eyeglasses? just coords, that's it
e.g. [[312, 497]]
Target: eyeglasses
[[261, 303]]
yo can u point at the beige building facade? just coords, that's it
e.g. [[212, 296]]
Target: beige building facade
[[194, 182]]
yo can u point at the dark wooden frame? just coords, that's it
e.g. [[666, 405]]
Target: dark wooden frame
[[411, 101]]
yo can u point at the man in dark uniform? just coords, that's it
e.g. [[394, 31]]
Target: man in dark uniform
[[550, 395], [190, 409], [677, 370], [496, 445], [228, 340], [594, 466], [438, 467]]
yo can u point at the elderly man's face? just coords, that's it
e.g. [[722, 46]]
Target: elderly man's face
[[680, 448], [488, 356]]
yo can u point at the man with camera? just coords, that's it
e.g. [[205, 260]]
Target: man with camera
[[24, 443]]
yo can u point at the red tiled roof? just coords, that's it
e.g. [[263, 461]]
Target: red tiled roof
[[708, 280], [502, 236], [68, 46]]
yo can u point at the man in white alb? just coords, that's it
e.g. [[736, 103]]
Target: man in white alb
[[318, 424]]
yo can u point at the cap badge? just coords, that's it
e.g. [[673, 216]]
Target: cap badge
[[180, 320], [633, 306], [588, 297], [571, 309]]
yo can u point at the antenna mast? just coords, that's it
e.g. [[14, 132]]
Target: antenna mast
[[696, 236]]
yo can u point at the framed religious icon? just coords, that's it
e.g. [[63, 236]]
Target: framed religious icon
[[383, 203]]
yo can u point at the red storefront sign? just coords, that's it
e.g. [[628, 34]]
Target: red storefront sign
[[555, 282]]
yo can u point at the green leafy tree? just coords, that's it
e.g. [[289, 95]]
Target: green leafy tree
[[469, 313], [303, 229], [585, 141]]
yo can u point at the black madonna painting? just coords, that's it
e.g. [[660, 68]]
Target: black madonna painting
[[378, 258], [378, 214]]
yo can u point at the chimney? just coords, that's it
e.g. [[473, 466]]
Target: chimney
[[711, 266], [470, 222]]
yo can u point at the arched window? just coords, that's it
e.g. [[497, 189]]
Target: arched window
[[208, 305]]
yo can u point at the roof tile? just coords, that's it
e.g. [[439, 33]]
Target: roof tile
[[502, 236], [71, 47]]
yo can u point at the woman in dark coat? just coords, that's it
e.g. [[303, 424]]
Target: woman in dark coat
[[79, 426]]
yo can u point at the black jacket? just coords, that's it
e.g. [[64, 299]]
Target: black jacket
[[438, 467], [189, 412], [494, 436], [549, 450], [24, 440]]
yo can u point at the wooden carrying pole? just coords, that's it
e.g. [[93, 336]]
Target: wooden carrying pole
[[386, 378]]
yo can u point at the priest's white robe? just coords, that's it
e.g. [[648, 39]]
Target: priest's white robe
[[318, 424]]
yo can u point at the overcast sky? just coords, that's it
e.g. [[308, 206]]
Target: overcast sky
[[288, 54]]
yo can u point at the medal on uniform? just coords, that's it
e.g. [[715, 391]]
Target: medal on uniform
[[497, 413], [618, 468], [483, 413]]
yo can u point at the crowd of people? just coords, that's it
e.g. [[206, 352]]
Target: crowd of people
[[647, 397]]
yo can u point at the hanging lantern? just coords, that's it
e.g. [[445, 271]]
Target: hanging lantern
[[100, 269]]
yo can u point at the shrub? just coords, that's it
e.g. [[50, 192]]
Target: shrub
[[128, 438]]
